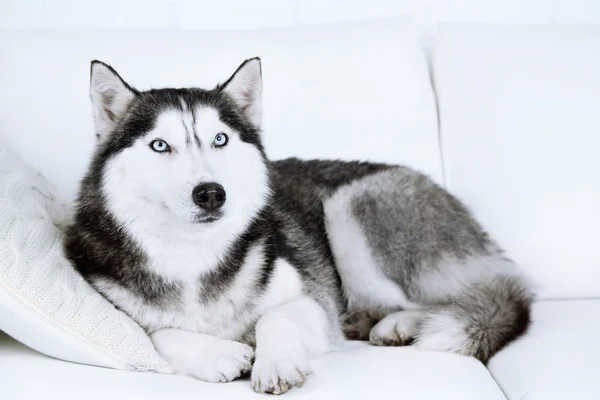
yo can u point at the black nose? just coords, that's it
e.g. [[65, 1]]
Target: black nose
[[209, 196]]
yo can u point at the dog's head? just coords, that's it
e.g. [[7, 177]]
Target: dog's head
[[190, 154]]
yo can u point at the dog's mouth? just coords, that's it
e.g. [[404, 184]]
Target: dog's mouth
[[208, 219], [200, 218]]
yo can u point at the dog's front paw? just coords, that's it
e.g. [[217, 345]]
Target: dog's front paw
[[202, 356], [277, 376], [227, 361]]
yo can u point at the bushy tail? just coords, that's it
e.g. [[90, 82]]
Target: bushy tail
[[480, 322]]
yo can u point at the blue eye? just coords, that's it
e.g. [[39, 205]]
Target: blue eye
[[160, 146], [221, 140]]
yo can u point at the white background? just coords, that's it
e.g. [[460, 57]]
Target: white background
[[236, 14]]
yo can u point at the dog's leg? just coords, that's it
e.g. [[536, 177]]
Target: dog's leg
[[286, 336], [401, 242], [369, 290], [203, 356]]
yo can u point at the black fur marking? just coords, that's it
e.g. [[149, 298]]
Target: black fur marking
[[196, 138], [326, 175], [99, 249], [268, 264], [107, 99], [188, 138], [111, 115]]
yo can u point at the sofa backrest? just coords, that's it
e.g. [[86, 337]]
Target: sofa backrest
[[244, 14], [356, 90], [519, 114]]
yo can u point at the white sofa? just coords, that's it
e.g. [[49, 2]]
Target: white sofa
[[508, 122]]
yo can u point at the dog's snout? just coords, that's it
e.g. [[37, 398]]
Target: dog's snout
[[209, 196]]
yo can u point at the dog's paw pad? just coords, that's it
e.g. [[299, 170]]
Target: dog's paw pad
[[277, 376], [357, 324]]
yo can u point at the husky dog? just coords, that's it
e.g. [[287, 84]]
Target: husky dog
[[234, 263]]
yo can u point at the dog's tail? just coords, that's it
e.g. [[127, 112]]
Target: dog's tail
[[481, 321]]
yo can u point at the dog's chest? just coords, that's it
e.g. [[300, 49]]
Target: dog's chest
[[196, 304], [226, 316]]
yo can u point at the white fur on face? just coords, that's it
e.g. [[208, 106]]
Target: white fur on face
[[150, 193], [167, 179]]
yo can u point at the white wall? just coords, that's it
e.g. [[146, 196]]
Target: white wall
[[227, 14]]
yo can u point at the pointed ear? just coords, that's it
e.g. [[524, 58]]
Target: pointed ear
[[245, 87], [110, 95]]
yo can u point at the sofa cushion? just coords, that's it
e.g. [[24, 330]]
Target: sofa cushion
[[44, 302], [346, 90], [520, 130], [359, 371], [558, 358]]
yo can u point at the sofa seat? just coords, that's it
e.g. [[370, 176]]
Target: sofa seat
[[358, 371], [557, 359], [559, 356]]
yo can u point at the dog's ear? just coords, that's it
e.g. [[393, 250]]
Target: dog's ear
[[110, 95], [245, 87]]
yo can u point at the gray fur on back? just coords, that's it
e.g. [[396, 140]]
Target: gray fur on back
[[413, 226]]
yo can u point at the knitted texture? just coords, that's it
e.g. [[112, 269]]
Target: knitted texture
[[34, 270]]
